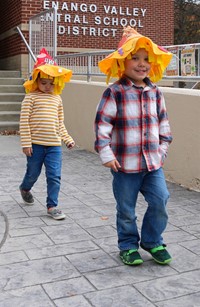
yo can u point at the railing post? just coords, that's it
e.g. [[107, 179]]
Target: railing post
[[55, 33], [30, 43], [89, 66], [31, 55]]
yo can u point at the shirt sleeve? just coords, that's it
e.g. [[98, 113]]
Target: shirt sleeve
[[165, 134], [104, 121], [66, 138], [24, 126]]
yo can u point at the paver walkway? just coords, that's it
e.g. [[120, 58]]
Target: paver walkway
[[75, 262]]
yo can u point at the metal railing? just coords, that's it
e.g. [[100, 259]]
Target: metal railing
[[185, 63], [27, 45], [85, 64], [184, 66], [43, 33]]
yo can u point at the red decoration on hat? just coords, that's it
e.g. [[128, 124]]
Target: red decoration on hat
[[128, 33], [162, 49], [44, 58]]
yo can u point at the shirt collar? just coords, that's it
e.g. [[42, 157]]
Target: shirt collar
[[127, 82]]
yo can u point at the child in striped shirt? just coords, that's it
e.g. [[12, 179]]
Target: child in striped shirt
[[132, 139], [42, 130]]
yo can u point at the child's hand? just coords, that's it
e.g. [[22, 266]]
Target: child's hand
[[114, 165], [27, 151], [70, 145]]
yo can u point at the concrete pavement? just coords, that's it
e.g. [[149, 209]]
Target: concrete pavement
[[75, 262]]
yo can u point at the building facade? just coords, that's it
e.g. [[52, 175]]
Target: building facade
[[83, 26]]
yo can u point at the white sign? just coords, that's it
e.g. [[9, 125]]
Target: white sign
[[188, 67], [105, 18], [172, 69]]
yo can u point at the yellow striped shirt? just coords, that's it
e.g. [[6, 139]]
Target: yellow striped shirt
[[42, 120]]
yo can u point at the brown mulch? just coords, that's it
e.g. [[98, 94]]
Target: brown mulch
[[9, 132]]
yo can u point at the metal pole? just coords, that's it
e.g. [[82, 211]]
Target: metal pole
[[55, 33], [30, 41], [89, 68], [27, 45]]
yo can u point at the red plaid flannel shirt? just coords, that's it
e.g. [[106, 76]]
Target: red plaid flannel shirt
[[132, 126]]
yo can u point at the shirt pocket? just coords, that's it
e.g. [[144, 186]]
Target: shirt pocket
[[152, 108]]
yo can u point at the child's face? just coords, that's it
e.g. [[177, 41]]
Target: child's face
[[138, 67], [45, 85]]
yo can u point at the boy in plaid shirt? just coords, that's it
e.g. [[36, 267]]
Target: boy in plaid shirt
[[132, 139]]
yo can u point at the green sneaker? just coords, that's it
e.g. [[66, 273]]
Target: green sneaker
[[131, 257], [159, 254]]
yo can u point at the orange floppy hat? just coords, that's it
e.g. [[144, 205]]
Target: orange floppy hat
[[47, 68], [113, 64]]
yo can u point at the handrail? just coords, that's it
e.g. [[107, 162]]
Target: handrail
[[43, 33], [27, 45], [85, 63]]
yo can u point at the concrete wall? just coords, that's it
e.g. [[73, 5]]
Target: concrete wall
[[17, 62], [183, 163]]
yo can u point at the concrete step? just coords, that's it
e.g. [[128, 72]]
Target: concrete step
[[9, 116], [11, 95], [12, 89], [9, 126], [10, 74], [11, 81], [10, 106], [6, 97]]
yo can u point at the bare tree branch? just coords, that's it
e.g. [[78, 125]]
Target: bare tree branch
[[187, 21]]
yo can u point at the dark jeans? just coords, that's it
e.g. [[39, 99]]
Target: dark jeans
[[126, 188], [51, 157]]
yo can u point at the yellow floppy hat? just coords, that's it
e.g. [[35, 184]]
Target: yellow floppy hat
[[47, 68], [113, 64]]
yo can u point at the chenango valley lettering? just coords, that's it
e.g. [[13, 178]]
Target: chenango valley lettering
[[73, 18]]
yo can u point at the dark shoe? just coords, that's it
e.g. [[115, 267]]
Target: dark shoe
[[131, 257], [27, 197], [56, 214], [159, 254]]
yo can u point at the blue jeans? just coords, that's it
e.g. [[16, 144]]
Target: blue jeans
[[126, 187], [51, 157]]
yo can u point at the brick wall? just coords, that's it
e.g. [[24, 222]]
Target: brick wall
[[158, 23], [154, 18], [10, 14]]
